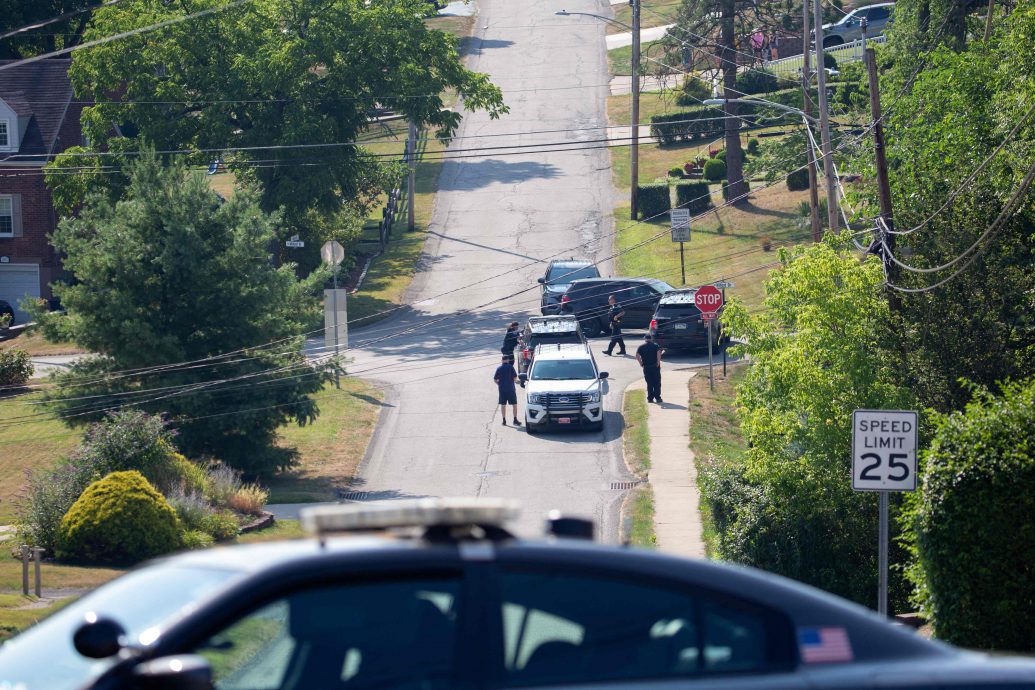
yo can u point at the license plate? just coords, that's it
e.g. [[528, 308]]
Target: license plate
[[564, 420], [680, 326]]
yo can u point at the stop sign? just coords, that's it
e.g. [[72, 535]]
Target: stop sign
[[708, 299]]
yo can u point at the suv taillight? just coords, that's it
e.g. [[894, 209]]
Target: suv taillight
[[565, 298], [654, 324], [524, 353]]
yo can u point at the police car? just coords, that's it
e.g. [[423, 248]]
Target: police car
[[545, 330], [564, 389], [437, 594]]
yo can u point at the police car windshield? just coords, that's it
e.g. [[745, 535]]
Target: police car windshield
[[563, 370], [566, 274]]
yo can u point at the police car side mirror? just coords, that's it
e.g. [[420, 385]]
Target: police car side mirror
[[99, 637], [542, 280], [186, 672], [603, 375]]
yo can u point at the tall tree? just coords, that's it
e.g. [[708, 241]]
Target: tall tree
[[279, 89], [15, 14], [171, 274]]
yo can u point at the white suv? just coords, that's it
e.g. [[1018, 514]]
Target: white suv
[[564, 389]]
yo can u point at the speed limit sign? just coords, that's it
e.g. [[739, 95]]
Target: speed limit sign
[[884, 450]]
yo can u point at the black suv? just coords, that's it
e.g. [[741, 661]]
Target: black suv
[[587, 300], [677, 322], [558, 278]]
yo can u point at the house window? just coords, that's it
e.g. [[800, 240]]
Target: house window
[[6, 217], [5, 134]]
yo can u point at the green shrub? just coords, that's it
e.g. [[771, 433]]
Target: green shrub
[[714, 170], [752, 147], [119, 520], [654, 199], [192, 509], [753, 81], [798, 180], [829, 61], [675, 172], [721, 155], [48, 496], [221, 526], [196, 539], [130, 440], [221, 483], [15, 367], [974, 523], [686, 126], [695, 196], [177, 472], [726, 189], [694, 91]]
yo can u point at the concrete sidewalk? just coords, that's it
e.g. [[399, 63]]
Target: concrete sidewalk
[[673, 475], [621, 40]]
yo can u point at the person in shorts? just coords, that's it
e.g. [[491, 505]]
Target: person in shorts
[[505, 377]]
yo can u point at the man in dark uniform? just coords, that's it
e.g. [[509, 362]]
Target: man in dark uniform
[[649, 357], [510, 339], [615, 313], [504, 377]]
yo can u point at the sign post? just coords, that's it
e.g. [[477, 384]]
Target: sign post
[[884, 446], [709, 300], [681, 233], [722, 285], [333, 254]]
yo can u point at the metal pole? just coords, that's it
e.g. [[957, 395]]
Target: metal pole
[[806, 80], [711, 371], [37, 556], [824, 121], [724, 349], [635, 148], [882, 594], [411, 145], [25, 569], [883, 184], [682, 263], [337, 365]]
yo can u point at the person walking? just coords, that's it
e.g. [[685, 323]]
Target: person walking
[[510, 339], [505, 377], [649, 357], [615, 313]]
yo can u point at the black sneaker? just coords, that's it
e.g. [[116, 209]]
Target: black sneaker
[[658, 400], [517, 423], [504, 422]]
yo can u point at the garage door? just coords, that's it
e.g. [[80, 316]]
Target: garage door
[[18, 281]]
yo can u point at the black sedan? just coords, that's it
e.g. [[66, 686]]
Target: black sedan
[[454, 601]]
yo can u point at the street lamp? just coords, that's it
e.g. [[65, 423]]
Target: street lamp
[[635, 148]]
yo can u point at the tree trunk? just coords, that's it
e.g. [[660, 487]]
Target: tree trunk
[[736, 187]]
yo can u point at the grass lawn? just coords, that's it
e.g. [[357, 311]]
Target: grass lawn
[[640, 509], [279, 530], [33, 342], [331, 448], [652, 13], [639, 506], [619, 60], [715, 434], [619, 108], [727, 243]]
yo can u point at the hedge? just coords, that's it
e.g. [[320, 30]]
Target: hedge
[[120, 520], [686, 125], [714, 170], [974, 523], [726, 189], [695, 196], [653, 199], [798, 180]]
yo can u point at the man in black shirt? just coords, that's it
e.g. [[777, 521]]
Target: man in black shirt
[[649, 357], [510, 339], [615, 313], [504, 377]]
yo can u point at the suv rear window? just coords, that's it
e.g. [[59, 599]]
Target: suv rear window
[[669, 310]]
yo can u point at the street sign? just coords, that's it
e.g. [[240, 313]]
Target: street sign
[[708, 299], [724, 284], [294, 242], [332, 253], [884, 450], [680, 224]]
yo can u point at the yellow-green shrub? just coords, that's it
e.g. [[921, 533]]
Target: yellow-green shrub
[[250, 498], [120, 519]]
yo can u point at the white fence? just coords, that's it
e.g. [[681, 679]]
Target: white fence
[[846, 52]]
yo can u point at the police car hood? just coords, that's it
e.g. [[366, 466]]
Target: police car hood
[[568, 386]]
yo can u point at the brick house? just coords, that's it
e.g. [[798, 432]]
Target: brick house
[[38, 119]]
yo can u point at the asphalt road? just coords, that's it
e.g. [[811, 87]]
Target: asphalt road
[[497, 219]]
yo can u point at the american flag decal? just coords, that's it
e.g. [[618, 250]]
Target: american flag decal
[[824, 645]]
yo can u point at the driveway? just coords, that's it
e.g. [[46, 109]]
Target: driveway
[[497, 218]]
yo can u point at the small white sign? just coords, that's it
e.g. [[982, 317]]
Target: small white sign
[[724, 284], [884, 450], [680, 224], [295, 242]]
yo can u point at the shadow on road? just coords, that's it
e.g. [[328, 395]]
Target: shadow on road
[[484, 246], [475, 175], [613, 424]]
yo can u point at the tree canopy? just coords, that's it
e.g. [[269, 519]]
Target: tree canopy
[[15, 14]]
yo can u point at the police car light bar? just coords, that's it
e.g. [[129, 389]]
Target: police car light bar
[[421, 512]]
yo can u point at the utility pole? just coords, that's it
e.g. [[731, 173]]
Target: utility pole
[[806, 80], [883, 185], [411, 157], [635, 163], [824, 121], [988, 20]]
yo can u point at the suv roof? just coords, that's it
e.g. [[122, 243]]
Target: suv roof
[[553, 324], [563, 351]]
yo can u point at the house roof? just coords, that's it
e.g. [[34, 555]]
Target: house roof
[[40, 90]]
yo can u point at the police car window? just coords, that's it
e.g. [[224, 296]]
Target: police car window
[[387, 634], [561, 628]]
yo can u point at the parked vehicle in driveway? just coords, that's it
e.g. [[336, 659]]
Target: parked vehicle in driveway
[[6, 314], [545, 330], [677, 322], [439, 594], [849, 28], [558, 278], [587, 301], [564, 389]]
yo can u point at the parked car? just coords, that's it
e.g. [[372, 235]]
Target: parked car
[[587, 301], [677, 322], [453, 600], [564, 389], [8, 311], [849, 28], [558, 278], [543, 330]]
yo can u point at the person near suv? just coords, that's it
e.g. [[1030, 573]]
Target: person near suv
[[505, 378], [586, 299], [614, 318], [649, 357]]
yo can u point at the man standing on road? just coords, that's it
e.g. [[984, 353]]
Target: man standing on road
[[510, 339], [505, 377], [649, 357], [615, 313]]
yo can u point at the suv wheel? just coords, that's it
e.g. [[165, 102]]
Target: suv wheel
[[592, 328]]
